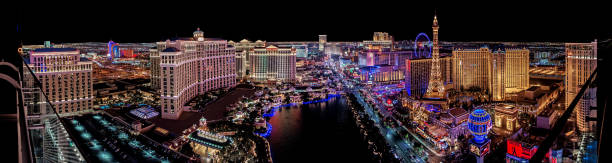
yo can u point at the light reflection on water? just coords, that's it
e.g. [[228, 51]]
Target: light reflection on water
[[311, 132]]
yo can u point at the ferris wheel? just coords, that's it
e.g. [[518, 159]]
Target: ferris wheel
[[422, 46]]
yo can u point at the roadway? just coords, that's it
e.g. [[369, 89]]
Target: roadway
[[402, 148]]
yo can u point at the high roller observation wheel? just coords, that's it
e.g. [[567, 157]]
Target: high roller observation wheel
[[417, 50]]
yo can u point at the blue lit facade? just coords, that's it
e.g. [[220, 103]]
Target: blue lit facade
[[479, 124], [113, 50]]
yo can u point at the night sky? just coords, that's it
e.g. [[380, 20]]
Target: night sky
[[303, 21]]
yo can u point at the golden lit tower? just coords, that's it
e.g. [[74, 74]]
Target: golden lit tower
[[435, 88], [581, 61]]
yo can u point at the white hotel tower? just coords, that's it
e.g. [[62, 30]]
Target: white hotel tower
[[193, 66], [272, 64], [64, 78]]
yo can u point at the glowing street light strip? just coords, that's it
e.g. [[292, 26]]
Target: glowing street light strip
[[268, 131]]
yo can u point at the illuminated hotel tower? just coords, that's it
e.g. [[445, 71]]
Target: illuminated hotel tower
[[192, 66], [113, 50], [154, 59], [435, 88], [322, 42], [471, 68], [272, 64], [581, 61], [501, 72], [64, 78]]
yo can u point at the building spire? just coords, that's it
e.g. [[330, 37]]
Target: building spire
[[435, 23], [435, 88]]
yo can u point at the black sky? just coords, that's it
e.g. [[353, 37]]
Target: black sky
[[292, 21]]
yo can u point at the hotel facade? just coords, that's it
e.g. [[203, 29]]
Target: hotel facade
[[581, 60], [243, 51], [501, 72], [272, 64], [193, 66], [154, 59], [417, 74], [64, 78]]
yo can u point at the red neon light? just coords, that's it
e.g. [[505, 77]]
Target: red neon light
[[408, 65], [516, 149]]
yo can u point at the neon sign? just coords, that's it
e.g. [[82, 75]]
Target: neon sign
[[517, 149]]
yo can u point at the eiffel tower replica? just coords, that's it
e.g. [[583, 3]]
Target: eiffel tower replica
[[435, 88]]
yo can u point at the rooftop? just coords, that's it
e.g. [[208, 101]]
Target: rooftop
[[209, 139], [533, 88], [456, 112], [43, 50], [171, 49], [507, 109], [547, 112]]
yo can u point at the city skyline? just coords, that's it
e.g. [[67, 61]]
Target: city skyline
[[515, 22], [308, 82]]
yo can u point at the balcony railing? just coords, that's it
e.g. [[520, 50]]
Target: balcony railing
[[585, 150], [49, 140]]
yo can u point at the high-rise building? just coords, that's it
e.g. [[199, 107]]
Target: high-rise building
[[241, 63], [435, 89], [516, 69], [113, 50], [381, 74], [471, 68], [48, 44], [380, 52], [64, 78], [193, 66], [581, 59], [382, 36], [243, 51], [322, 42], [155, 68], [301, 50], [381, 41], [272, 64], [417, 73], [501, 72], [497, 76]]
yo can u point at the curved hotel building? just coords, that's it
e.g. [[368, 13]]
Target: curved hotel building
[[192, 66]]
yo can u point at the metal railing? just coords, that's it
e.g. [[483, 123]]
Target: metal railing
[[555, 132], [49, 140]]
